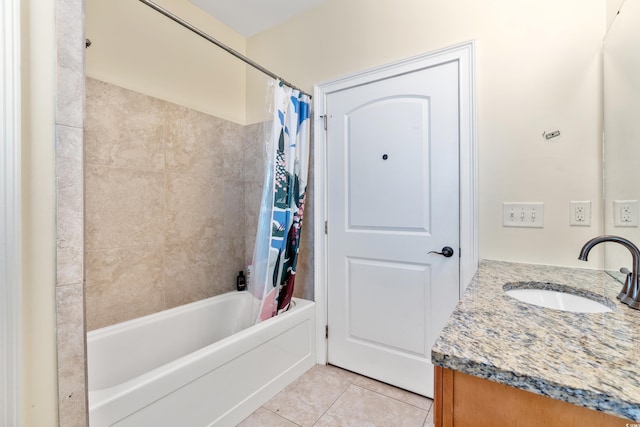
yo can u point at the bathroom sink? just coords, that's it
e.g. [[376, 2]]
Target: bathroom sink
[[559, 297]]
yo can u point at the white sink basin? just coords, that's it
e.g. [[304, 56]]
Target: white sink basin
[[559, 300]]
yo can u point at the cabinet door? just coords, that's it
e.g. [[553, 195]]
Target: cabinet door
[[462, 400]]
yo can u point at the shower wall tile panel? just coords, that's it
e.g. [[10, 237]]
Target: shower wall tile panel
[[124, 129], [254, 168], [69, 290], [232, 197], [124, 207], [124, 283], [233, 151], [70, 206], [172, 203], [194, 142], [194, 207], [72, 398], [196, 262], [305, 271], [165, 204], [256, 151]]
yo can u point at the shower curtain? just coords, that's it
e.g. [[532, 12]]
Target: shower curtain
[[282, 207]]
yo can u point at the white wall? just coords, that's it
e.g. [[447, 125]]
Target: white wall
[[137, 48], [538, 68], [39, 375], [612, 10], [622, 130]]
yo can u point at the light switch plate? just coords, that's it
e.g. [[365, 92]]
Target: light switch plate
[[526, 214]]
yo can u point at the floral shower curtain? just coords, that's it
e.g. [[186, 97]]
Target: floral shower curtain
[[280, 222]]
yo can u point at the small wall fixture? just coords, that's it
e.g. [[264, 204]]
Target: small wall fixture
[[551, 134]]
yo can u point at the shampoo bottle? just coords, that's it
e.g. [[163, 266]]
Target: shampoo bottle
[[241, 281]]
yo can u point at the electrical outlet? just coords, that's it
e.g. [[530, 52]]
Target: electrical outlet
[[580, 213], [529, 214], [625, 213]]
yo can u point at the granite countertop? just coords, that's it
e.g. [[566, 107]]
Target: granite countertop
[[587, 359]]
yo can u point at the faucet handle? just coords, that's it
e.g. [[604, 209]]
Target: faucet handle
[[628, 284]]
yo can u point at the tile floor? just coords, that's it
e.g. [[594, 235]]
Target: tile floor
[[330, 396]]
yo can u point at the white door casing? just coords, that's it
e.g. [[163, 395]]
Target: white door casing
[[10, 214], [412, 271]]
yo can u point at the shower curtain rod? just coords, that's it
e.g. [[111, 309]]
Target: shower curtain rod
[[218, 43]]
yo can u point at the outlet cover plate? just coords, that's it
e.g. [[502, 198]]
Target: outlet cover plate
[[625, 213], [580, 213], [525, 214]]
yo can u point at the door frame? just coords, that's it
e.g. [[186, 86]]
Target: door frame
[[10, 214], [464, 55]]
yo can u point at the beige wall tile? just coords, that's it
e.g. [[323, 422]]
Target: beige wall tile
[[254, 168], [70, 34], [255, 151], [234, 209], [123, 207], [232, 149], [229, 260], [193, 271], [69, 113], [252, 199], [304, 287], [124, 128], [72, 395], [69, 102], [194, 208], [70, 206], [193, 143], [123, 284]]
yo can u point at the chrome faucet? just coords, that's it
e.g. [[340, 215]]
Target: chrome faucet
[[630, 293]]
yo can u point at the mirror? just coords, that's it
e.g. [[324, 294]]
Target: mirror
[[621, 72]]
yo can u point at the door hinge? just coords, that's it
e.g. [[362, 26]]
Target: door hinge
[[326, 227], [326, 331], [459, 252]]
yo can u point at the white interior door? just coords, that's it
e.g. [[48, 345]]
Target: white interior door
[[393, 196]]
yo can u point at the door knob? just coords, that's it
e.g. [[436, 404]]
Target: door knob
[[446, 252]]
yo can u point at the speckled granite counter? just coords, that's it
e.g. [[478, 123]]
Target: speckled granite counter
[[592, 360]]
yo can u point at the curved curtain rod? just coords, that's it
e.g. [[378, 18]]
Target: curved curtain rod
[[218, 43]]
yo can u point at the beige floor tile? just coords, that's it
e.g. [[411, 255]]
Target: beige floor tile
[[429, 421], [307, 398], [394, 392], [265, 418], [361, 407]]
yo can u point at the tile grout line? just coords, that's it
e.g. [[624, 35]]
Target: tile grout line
[[336, 399], [279, 415], [393, 398], [396, 399]]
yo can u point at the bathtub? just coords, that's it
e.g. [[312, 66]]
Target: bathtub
[[201, 364]]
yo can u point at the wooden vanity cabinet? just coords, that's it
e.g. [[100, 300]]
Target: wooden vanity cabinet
[[464, 400]]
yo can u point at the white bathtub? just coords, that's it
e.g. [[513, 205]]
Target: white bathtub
[[200, 364]]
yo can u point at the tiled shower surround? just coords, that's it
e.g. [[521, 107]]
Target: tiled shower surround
[[171, 203]]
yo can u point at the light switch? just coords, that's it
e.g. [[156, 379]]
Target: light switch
[[526, 214]]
